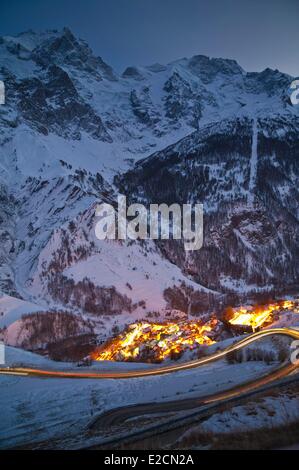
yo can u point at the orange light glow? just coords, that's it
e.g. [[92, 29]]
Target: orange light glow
[[156, 341], [257, 316], [153, 342]]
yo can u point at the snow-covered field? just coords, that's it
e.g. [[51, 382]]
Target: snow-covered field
[[267, 413], [34, 409]]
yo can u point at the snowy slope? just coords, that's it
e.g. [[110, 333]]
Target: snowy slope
[[12, 309], [46, 410]]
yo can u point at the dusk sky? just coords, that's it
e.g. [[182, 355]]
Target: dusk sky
[[257, 33]]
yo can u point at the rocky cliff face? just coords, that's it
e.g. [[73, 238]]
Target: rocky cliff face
[[74, 132]]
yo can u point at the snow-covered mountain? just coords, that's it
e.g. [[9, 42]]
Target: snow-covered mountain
[[246, 174], [73, 132]]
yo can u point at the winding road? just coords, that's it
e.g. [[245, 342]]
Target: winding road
[[117, 415], [285, 370]]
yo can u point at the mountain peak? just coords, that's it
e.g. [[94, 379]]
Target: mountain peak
[[53, 47], [208, 67]]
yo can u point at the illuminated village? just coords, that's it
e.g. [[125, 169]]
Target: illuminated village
[[155, 342]]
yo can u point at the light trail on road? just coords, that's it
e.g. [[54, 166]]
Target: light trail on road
[[118, 415], [23, 371]]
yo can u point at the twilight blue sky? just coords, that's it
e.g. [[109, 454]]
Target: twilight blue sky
[[257, 33]]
